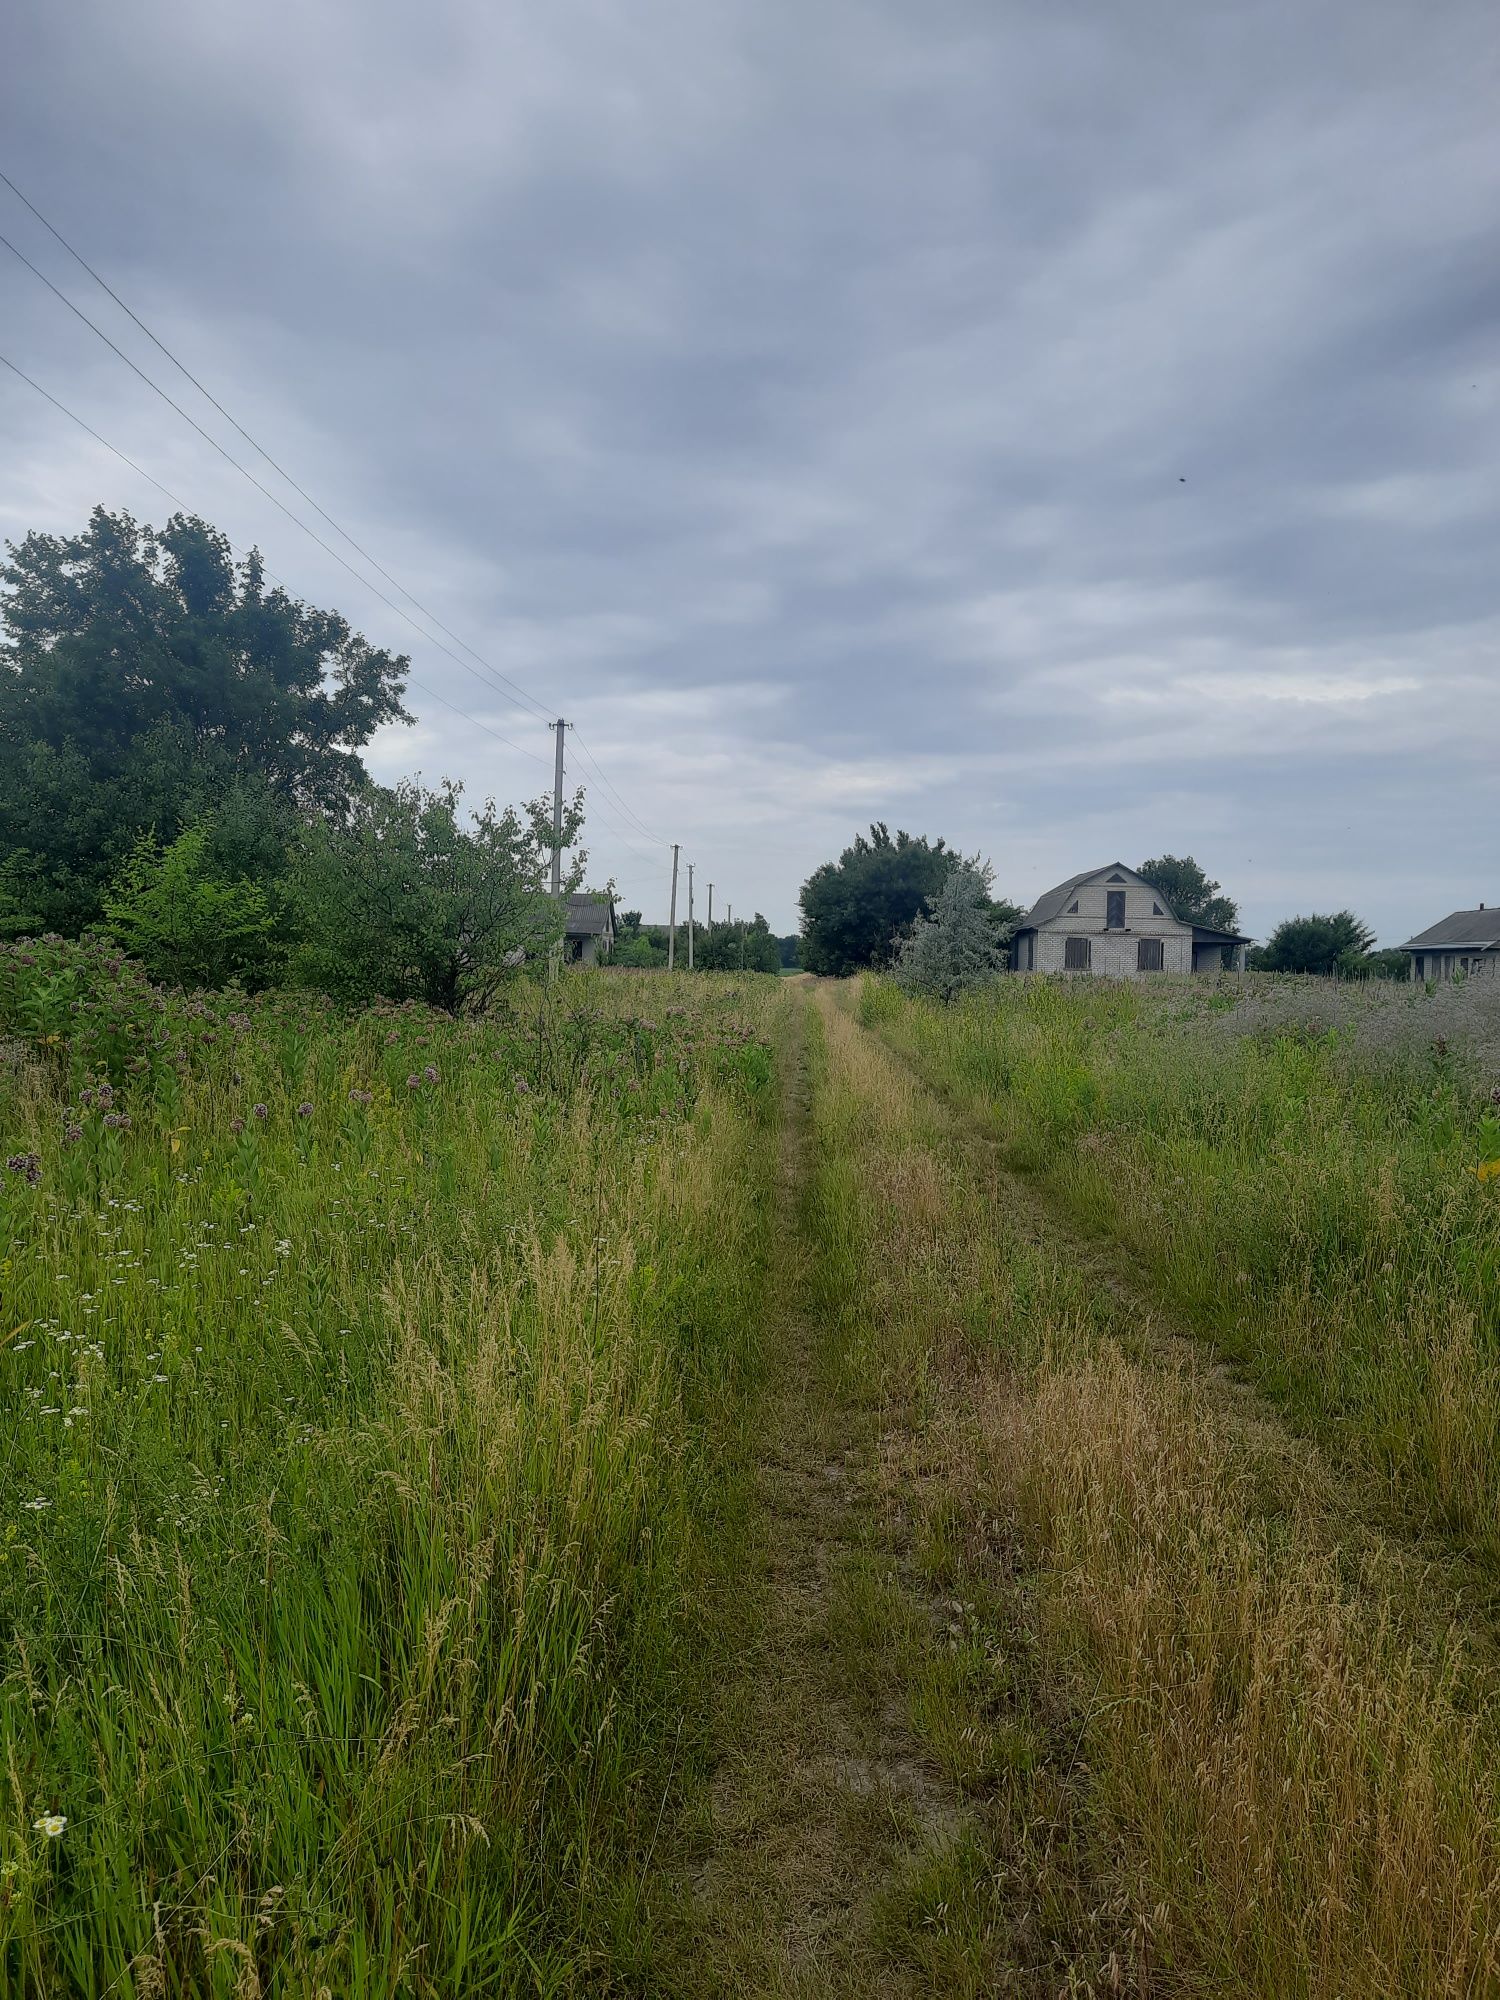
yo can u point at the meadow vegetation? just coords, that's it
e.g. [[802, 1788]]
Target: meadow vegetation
[[1215, 1732], [368, 1392], [1307, 1172]]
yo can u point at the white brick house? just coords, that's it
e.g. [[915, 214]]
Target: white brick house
[[1111, 922]]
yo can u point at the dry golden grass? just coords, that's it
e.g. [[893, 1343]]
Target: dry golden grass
[[1255, 1728]]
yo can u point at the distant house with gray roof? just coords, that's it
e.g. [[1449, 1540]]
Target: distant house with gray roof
[[1112, 922], [1467, 942], [589, 930]]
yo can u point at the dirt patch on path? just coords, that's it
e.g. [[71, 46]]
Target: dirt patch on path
[[823, 1800]]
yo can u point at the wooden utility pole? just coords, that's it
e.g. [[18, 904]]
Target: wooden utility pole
[[672, 917], [690, 916], [557, 785]]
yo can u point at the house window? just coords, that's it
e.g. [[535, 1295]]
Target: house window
[[1076, 955], [1073, 908], [1157, 910], [1148, 955], [1115, 909], [1117, 878]]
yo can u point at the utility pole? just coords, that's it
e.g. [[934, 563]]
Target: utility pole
[[672, 918], [557, 782], [690, 916]]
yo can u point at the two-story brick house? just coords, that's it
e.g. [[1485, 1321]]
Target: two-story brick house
[[1110, 921]]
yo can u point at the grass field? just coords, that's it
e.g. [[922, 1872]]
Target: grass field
[[1299, 1168], [712, 1486], [368, 1393]]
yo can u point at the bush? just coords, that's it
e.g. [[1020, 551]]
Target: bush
[[184, 922]]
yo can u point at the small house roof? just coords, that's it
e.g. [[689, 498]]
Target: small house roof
[[589, 916], [1211, 934], [1471, 930]]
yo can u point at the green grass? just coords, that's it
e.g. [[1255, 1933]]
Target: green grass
[[368, 1408], [1305, 1192]]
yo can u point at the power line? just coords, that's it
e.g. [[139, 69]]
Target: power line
[[492, 676], [177, 501], [183, 369], [245, 473], [629, 811]]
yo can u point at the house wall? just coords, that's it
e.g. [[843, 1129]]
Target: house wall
[[1113, 954], [1443, 964]]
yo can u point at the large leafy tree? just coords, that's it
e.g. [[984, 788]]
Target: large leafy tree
[[853, 909], [146, 677], [1189, 893], [1317, 944], [403, 899]]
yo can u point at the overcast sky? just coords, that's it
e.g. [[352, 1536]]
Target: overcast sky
[[1072, 431]]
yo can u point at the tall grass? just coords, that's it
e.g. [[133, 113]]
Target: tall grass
[[1305, 1189], [1218, 1738], [365, 1400]]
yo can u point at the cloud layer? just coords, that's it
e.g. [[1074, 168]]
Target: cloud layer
[[1076, 437]]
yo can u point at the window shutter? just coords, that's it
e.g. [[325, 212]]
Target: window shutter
[[1076, 955], [1149, 955]]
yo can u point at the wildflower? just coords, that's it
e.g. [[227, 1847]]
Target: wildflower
[[36, 1506], [392, 1038], [414, 1082], [304, 1110], [72, 1134], [522, 1086], [261, 1112], [27, 1164], [236, 1126], [431, 1073], [120, 1120], [361, 1097], [105, 1094], [51, 1824]]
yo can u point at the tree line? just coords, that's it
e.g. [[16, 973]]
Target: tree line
[[180, 768]]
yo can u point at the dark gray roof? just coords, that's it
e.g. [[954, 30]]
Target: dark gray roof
[[589, 916], [1211, 934], [1472, 928], [1051, 905]]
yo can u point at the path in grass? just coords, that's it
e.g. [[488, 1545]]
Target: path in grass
[[822, 1801]]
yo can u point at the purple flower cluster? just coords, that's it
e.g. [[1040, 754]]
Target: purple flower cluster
[[27, 1164], [361, 1097], [117, 1121]]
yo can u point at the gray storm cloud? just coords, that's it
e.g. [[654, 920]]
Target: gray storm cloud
[[1073, 437]]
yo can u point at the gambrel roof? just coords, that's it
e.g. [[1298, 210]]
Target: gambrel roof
[[1053, 904]]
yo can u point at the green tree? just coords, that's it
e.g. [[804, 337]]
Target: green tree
[[186, 923], [1188, 892], [1316, 944], [401, 900], [854, 908], [736, 947], [145, 677], [959, 944]]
